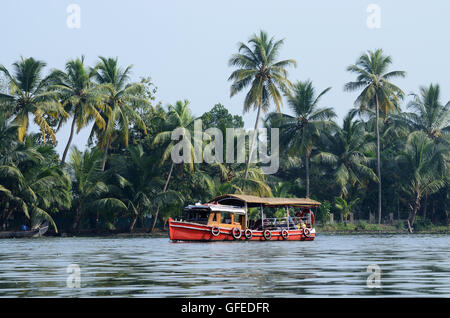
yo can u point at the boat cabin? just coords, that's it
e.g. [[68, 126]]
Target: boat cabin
[[230, 211], [213, 214], [226, 218]]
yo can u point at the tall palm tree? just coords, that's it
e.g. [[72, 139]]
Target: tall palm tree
[[422, 166], [429, 114], [179, 117], [119, 97], [346, 151], [80, 97], [258, 68], [299, 132], [29, 95], [377, 92]]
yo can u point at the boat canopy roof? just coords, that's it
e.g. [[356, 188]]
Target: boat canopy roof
[[253, 201], [217, 208]]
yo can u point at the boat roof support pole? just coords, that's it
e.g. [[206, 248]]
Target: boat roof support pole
[[246, 215], [287, 217], [262, 216]]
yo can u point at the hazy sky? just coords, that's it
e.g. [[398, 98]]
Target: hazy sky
[[185, 45]]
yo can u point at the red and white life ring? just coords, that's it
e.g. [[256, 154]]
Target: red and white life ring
[[285, 234], [215, 230], [237, 233], [248, 234], [307, 233], [267, 235]]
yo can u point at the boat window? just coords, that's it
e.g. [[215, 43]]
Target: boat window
[[198, 216], [240, 219], [225, 218]]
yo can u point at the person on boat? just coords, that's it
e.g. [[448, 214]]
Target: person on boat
[[291, 222], [299, 213]]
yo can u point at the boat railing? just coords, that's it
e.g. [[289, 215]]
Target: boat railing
[[291, 222]]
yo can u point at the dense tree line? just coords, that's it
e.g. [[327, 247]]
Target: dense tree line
[[390, 155]]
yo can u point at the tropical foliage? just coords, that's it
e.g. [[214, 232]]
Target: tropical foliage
[[127, 180]]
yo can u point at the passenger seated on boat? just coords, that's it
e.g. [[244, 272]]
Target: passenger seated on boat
[[299, 214], [257, 225], [291, 222]]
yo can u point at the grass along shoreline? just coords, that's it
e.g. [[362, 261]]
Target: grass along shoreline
[[398, 227], [359, 227]]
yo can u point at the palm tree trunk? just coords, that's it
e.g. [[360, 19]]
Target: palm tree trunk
[[412, 215], [66, 150], [105, 155], [7, 213], [97, 221], [133, 223], [377, 129], [76, 221], [425, 206], [164, 190], [307, 173], [253, 142]]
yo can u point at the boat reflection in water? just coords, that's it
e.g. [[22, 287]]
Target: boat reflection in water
[[226, 218]]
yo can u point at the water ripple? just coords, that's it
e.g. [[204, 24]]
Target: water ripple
[[411, 265]]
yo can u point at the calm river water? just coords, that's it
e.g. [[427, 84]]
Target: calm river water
[[411, 265]]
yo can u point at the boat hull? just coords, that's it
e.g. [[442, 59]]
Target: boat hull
[[185, 231]]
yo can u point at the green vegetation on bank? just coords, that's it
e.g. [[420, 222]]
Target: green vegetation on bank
[[389, 158], [398, 227]]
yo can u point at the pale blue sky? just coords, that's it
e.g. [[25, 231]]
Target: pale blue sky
[[185, 45]]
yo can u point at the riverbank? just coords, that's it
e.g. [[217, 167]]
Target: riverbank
[[332, 228], [367, 228], [136, 233]]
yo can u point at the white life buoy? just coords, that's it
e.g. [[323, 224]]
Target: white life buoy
[[267, 235], [215, 230], [248, 234], [237, 233], [285, 234]]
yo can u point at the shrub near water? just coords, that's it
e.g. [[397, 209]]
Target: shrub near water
[[422, 224], [362, 225]]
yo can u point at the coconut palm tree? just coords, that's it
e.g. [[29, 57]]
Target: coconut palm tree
[[345, 207], [79, 96], [429, 114], [377, 92], [29, 95], [423, 168], [346, 150], [258, 68], [139, 183], [179, 117], [119, 96], [90, 191], [299, 132], [32, 184], [255, 183]]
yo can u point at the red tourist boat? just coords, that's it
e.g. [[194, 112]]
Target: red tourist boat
[[226, 218]]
